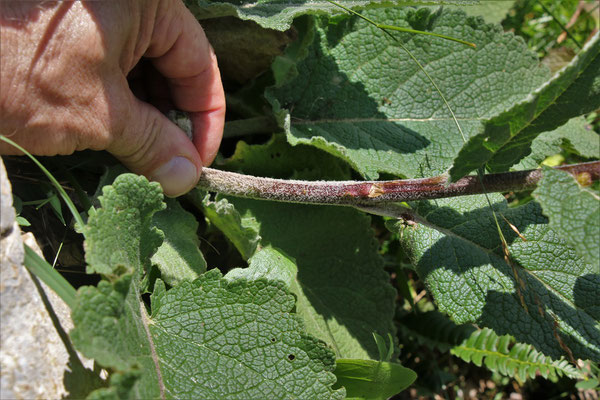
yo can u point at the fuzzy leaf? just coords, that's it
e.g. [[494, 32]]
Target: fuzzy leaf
[[374, 380], [343, 292], [500, 354], [267, 263], [225, 217], [279, 14], [573, 91], [237, 340], [119, 236], [545, 294], [110, 327], [204, 339], [573, 211], [178, 257], [359, 96]]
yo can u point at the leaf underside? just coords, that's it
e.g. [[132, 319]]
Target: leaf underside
[[507, 138], [542, 297], [360, 97]]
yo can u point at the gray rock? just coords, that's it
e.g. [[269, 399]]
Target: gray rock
[[37, 359]]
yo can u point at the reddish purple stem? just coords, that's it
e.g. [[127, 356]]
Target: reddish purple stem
[[364, 193]]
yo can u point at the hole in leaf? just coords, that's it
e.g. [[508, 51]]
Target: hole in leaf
[[291, 357]]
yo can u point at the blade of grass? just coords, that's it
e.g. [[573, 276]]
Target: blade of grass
[[57, 254], [51, 277], [57, 185]]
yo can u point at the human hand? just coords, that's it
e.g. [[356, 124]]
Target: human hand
[[64, 84]]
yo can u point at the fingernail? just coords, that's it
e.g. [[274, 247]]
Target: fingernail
[[177, 177]]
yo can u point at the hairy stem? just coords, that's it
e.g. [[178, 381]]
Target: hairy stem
[[365, 194]]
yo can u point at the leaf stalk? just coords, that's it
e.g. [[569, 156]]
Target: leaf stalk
[[365, 194]]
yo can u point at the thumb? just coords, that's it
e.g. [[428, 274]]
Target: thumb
[[152, 145]]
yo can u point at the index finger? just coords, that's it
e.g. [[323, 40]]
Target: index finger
[[183, 55]]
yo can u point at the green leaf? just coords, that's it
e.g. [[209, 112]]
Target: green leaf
[[575, 136], [573, 91], [343, 293], [267, 263], [500, 354], [205, 339], [178, 257], [241, 339], [482, 346], [360, 97], [209, 338], [54, 202], [493, 11], [22, 221], [278, 159], [225, 217], [543, 298], [119, 237], [385, 351], [110, 327], [587, 385], [573, 212], [47, 274], [369, 379], [174, 232], [279, 14]]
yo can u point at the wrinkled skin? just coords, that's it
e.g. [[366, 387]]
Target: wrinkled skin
[[68, 83]]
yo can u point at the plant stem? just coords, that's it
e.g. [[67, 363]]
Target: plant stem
[[365, 194]]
